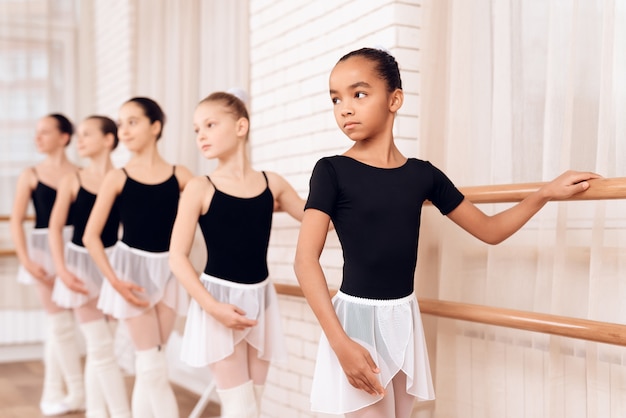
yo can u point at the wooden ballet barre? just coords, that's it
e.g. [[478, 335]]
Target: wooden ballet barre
[[600, 189], [582, 329], [7, 218]]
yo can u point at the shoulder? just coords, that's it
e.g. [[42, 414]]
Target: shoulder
[[183, 175], [28, 178], [276, 182], [114, 179], [69, 182], [198, 184]]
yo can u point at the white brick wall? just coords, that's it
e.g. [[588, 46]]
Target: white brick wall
[[294, 45]]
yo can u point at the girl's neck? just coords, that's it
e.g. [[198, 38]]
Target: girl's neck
[[149, 155], [383, 154], [57, 158], [100, 164], [235, 165]]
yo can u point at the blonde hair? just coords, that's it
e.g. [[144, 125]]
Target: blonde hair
[[233, 103]]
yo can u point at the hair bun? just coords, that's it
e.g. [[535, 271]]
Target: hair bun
[[239, 93]]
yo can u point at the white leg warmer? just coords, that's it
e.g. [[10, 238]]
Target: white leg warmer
[[239, 402], [151, 379], [109, 383], [64, 340], [94, 401], [53, 391]]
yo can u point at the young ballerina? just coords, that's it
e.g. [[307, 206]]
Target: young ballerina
[[78, 279], [62, 368], [139, 287], [372, 359], [233, 324]]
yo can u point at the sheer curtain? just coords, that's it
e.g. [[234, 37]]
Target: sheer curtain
[[37, 51], [519, 91]]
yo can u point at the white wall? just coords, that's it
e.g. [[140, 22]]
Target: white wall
[[294, 45]]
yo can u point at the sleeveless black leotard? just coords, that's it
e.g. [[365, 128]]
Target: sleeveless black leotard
[[83, 204], [236, 231], [147, 213], [43, 197], [376, 213]]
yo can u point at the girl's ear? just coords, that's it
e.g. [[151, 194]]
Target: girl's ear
[[243, 125], [156, 127], [109, 140], [396, 100]]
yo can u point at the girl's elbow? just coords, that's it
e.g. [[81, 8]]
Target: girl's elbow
[[88, 240]]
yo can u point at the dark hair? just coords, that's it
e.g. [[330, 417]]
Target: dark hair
[[234, 104], [151, 109], [64, 125], [386, 65], [107, 126]]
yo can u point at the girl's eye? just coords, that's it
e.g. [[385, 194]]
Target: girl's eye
[[335, 100], [360, 95]]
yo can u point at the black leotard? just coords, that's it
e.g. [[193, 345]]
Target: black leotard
[[147, 213], [43, 197], [82, 208], [376, 213], [236, 231]]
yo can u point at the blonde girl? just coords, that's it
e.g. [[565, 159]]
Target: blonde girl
[[233, 325]]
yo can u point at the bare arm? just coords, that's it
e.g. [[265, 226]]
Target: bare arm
[[196, 196], [496, 228], [26, 183], [66, 194], [108, 192], [286, 196], [355, 360]]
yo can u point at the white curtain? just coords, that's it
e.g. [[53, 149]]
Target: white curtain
[[519, 91]]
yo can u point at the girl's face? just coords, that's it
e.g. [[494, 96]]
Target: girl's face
[[48, 137], [91, 141], [135, 130], [362, 105], [218, 132]]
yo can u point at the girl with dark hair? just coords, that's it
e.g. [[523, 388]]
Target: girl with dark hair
[[233, 325], [140, 288], [78, 279], [372, 359], [39, 184]]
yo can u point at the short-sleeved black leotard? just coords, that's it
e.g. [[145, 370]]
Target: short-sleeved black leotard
[[236, 231], [147, 213], [83, 204], [376, 213]]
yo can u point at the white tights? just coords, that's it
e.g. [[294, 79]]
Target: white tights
[[397, 403]]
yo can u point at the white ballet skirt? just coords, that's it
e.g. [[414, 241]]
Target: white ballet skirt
[[206, 340], [38, 247], [80, 264], [391, 330], [149, 270]]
